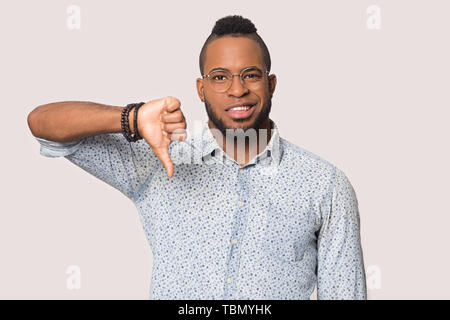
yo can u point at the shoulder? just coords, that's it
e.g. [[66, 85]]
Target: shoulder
[[303, 161], [313, 168]]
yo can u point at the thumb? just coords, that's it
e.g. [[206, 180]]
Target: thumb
[[164, 156], [171, 104]]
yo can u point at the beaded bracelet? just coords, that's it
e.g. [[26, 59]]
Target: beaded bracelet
[[126, 125], [124, 122]]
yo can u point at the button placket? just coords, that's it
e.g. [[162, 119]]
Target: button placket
[[240, 219]]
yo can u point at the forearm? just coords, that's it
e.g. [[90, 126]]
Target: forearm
[[74, 120]]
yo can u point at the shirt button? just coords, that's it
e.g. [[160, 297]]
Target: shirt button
[[234, 241], [241, 203], [228, 280], [241, 171]]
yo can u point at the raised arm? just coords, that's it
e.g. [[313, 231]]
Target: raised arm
[[159, 122], [73, 120]]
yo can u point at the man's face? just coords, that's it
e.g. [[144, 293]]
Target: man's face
[[235, 54]]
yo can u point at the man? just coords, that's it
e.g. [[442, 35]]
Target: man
[[262, 219]]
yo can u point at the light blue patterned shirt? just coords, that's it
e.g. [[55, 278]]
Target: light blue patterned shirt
[[272, 229]]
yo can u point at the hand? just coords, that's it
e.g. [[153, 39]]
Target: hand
[[160, 122]]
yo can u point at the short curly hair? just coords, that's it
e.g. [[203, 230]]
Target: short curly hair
[[235, 26]]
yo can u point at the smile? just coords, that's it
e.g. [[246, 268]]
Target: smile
[[241, 112]]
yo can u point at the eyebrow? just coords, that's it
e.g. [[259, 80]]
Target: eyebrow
[[225, 69]]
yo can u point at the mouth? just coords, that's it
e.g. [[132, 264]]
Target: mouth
[[241, 111]]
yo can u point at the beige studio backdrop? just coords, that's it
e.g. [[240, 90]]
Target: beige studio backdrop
[[363, 84]]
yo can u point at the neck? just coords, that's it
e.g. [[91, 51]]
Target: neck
[[244, 148]]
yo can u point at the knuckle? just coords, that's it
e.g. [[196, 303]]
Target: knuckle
[[174, 100], [167, 100]]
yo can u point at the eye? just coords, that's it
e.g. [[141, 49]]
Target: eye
[[252, 76], [218, 76]]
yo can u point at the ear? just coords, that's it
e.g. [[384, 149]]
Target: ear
[[272, 83], [200, 92]]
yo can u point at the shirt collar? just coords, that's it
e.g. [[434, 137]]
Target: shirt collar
[[209, 150]]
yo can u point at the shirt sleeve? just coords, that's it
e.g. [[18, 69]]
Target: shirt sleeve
[[340, 266], [124, 165]]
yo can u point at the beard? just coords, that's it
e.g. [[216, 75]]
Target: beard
[[220, 125]]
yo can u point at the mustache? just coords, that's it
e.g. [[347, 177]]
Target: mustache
[[261, 117]]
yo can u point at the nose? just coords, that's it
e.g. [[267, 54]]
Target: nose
[[237, 88]]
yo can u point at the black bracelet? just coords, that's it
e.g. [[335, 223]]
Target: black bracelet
[[135, 126], [123, 118], [124, 122], [126, 125]]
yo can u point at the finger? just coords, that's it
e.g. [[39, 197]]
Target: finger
[[164, 156], [171, 127], [176, 116], [177, 136], [171, 104]]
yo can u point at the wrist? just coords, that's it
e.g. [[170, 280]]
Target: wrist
[[129, 122]]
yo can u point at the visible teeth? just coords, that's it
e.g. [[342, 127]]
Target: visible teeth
[[243, 108]]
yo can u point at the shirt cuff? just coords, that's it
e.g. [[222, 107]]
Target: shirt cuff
[[58, 149]]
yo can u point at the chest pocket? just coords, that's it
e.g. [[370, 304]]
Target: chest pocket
[[286, 231]]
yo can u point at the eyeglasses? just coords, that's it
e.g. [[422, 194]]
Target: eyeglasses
[[221, 79]]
